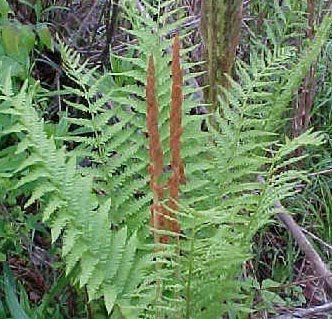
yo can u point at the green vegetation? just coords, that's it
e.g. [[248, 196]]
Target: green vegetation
[[120, 198]]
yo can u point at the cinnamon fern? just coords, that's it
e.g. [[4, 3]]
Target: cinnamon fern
[[96, 194]]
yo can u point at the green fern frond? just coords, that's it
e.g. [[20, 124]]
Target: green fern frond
[[70, 206]]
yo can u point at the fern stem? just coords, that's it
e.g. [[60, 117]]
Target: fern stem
[[97, 136], [89, 313], [190, 270], [93, 121]]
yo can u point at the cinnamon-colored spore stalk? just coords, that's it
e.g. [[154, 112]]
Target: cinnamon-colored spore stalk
[[162, 218], [177, 176], [155, 153]]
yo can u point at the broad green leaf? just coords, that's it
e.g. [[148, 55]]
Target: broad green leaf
[[11, 39], [45, 36], [27, 39]]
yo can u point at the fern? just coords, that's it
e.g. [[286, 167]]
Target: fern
[[101, 212], [119, 150], [285, 23], [119, 164], [70, 206], [244, 149]]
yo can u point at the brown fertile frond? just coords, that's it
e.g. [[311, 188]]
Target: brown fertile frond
[[177, 176], [155, 153], [163, 219], [176, 111], [155, 149]]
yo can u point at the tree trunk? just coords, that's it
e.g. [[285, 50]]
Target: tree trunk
[[306, 95], [221, 25]]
